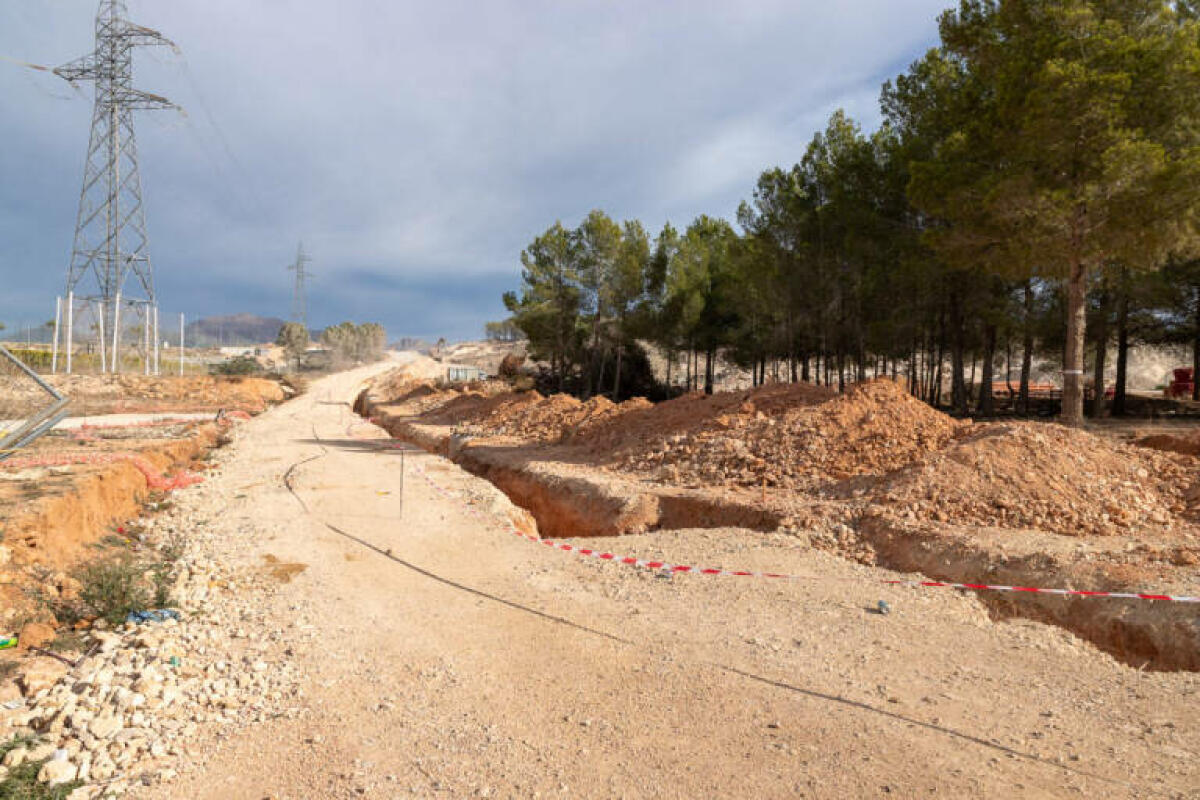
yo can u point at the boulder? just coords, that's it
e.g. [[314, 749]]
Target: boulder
[[40, 673], [56, 771], [36, 634]]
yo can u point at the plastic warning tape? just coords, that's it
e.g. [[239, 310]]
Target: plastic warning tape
[[667, 567]]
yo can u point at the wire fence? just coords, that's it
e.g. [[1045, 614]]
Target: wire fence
[[148, 342]]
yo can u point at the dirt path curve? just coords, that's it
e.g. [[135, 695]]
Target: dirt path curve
[[445, 658]]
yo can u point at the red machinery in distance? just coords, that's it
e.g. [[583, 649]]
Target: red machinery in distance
[[1182, 383]]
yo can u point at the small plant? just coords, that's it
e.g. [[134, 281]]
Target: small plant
[[173, 548], [21, 783], [112, 588], [161, 577], [238, 365], [69, 641]]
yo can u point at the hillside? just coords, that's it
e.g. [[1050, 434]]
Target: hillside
[[232, 329]]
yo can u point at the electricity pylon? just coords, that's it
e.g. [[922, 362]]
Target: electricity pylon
[[110, 230], [299, 300]]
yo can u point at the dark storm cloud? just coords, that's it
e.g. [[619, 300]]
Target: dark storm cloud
[[416, 148]]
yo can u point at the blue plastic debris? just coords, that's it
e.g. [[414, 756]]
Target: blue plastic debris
[[884, 608], [153, 615]]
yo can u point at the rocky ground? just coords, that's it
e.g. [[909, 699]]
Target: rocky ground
[[126, 704]]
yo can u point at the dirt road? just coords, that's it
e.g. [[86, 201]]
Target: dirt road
[[445, 657]]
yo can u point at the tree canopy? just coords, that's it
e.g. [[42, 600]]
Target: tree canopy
[[1033, 174]]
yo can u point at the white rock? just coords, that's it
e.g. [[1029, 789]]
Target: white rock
[[57, 771], [103, 727]]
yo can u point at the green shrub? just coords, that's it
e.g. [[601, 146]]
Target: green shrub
[[113, 587], [21, 782], [238, 365]]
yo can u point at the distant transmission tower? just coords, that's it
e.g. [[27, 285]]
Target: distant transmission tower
[[110, 231], [299, 300]]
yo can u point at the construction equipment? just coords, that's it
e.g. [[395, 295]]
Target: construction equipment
[[1182, 383]]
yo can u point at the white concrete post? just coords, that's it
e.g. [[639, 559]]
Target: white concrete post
[[146, 339], [157, 341], [103, 350], [70, 327], [57, 325], [116, 334]]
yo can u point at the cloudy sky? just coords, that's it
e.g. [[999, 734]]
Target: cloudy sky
[[417, 148]]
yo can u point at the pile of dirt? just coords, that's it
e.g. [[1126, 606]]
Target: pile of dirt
[[461, 408], [414, 398], [796, 438], [645, 426], [1049, 478], [529, 416], [1185, 443]]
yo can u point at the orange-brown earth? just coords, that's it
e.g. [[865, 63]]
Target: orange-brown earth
[[872, 474]]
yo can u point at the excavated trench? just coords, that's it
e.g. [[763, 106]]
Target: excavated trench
[[572, 501]]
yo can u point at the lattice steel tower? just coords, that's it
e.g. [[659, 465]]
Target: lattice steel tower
[[110, 231], [299, 298]]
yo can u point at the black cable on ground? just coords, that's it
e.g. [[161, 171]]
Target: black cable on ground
[[772, 682]]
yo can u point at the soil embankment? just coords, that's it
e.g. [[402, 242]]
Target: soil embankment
[[72, 487], [872, 475]]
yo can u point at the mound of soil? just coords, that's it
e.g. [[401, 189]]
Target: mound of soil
[[644, 426], [1050, 478], [530, 416], [801, 437], [1186, 443]]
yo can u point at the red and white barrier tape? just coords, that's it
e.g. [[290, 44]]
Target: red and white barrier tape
[[664, 566], [154, 479]]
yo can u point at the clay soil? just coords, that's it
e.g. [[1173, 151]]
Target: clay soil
[[873, 475]]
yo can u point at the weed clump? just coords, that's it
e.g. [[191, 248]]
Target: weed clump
[[21, 783]]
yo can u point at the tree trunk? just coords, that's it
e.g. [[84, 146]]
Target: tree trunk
[[941, 360], [617, 379], [1196, 352], [958, 383], [1008, 392], [1026, 350], [1101, 357], [1072, 396], [670, 361], [708, 371], [1118, 402], [600, 374], [987, 403], [913, 388], [971, 382]]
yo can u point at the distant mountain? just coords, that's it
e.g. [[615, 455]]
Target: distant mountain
[[233, 329]]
